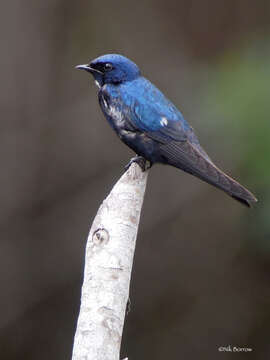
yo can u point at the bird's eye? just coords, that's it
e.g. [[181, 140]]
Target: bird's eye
[[108, 67]]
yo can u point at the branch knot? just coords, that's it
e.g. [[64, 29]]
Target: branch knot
[[101, 237]]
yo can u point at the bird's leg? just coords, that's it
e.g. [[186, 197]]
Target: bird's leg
[[141, 161], [138, 160]]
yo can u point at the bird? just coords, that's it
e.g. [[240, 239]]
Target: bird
[[152, 126]]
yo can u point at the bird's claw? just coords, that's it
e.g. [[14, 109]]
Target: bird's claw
[[141, 161]]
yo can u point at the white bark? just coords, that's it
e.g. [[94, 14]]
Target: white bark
[[108, 264]]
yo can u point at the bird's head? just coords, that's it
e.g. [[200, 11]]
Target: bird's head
[[111, 69]]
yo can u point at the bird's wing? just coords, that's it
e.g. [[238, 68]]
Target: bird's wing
[[149, 111], [156, 122], [186, 156], [170, 131], [163, 124]]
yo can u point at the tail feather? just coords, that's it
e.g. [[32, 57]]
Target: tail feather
[[186, 157], [242, 201]]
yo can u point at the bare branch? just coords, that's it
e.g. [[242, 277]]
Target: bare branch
[[108, 264]]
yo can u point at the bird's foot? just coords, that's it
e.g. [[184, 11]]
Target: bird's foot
[[141, 161]]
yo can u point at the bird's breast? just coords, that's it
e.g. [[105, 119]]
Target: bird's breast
[[112, 112]]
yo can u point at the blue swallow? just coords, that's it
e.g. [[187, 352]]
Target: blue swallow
[[151, 125]]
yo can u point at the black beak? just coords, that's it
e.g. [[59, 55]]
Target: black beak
[[83, 67], [87, 68]]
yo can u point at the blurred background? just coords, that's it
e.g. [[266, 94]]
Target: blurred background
[[202, 262]]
